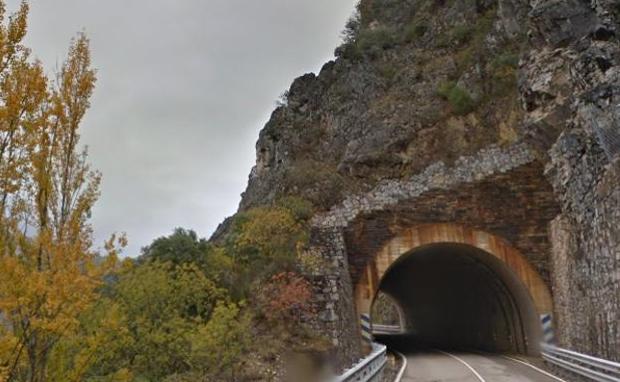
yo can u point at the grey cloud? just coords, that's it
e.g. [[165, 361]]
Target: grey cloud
[[184, 87]]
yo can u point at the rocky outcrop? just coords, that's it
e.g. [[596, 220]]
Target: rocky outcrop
[[377, 113], [570, 89], [429, 94]]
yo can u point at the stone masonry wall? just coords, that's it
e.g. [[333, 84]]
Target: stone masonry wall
[[334, 298], [486, 162], [516, 205], [335, 315]]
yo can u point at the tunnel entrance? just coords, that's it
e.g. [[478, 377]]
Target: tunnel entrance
[[458, 286], [458, 296]]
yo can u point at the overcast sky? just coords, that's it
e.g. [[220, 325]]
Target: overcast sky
[[184, 86]]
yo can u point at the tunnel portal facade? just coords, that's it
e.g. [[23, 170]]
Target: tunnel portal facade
[[475, 232], [460, 288]]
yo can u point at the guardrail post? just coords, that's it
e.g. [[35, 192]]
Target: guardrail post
[[366, 327], [547, 327]]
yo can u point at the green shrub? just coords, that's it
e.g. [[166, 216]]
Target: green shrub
[[318, 182], [504, 73], [380, 37], [369, 42], [415, 30], [348, 50], [301, 209], [459, 99], [388, 71], [471, 34], [457, 36], [444, 88], [510, 60], [462, 34]]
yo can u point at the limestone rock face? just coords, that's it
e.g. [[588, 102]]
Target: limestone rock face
[[376, 112], [571, 90], [420, 85]]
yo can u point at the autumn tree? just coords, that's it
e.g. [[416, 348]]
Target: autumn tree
[[269, 234], [221, 344], [285, 297], [182, 246], [163, 305], [48, 273]]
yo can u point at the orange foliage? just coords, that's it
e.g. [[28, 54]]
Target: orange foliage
[[286, 296], [48, 272]]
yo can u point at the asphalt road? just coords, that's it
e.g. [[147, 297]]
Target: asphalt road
[[437, 366]]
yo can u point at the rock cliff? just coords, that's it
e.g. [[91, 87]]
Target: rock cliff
[[418, 82]]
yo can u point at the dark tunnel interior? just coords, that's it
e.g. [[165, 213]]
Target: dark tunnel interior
[[455, 296]]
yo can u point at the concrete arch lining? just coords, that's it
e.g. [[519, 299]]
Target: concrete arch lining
[[418, 236], [523, 287]]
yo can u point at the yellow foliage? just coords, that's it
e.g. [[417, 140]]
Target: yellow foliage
[[222, 342], [48, 274], [273, 232]]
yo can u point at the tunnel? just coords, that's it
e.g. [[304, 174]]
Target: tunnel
[[456, 296]]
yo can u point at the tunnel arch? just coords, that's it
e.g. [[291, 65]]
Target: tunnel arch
[[395, 305], [524, 295]]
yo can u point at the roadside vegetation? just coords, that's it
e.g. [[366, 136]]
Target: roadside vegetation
[[185, 310]]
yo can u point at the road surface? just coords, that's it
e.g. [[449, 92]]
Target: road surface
[[437, 366]]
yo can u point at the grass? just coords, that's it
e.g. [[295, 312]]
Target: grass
[[505, 60], [415, 30], [380, 37], [459, 99]]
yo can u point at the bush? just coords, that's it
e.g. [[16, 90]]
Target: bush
[[461, 34], [352, 28], [457, 36], [471, 34], [387, 71], [159, 307], [222, 343], [444, 88], [506, 60], [267, 239], [181, 247], [369, 42], [504, 73], [285, 298], [459, 99], [415, 30], [380, 37], [301, 209], [318, 182]]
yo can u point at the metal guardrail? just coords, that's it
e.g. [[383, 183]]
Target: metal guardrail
[[386, 329], [368, 368], [596, 369]]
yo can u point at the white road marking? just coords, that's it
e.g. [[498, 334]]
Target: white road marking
[[401, 372], [464, 363], [534, 367]]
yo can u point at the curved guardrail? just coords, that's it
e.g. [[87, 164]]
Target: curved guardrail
[[368, 368], [596, 369], [386, 329]]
